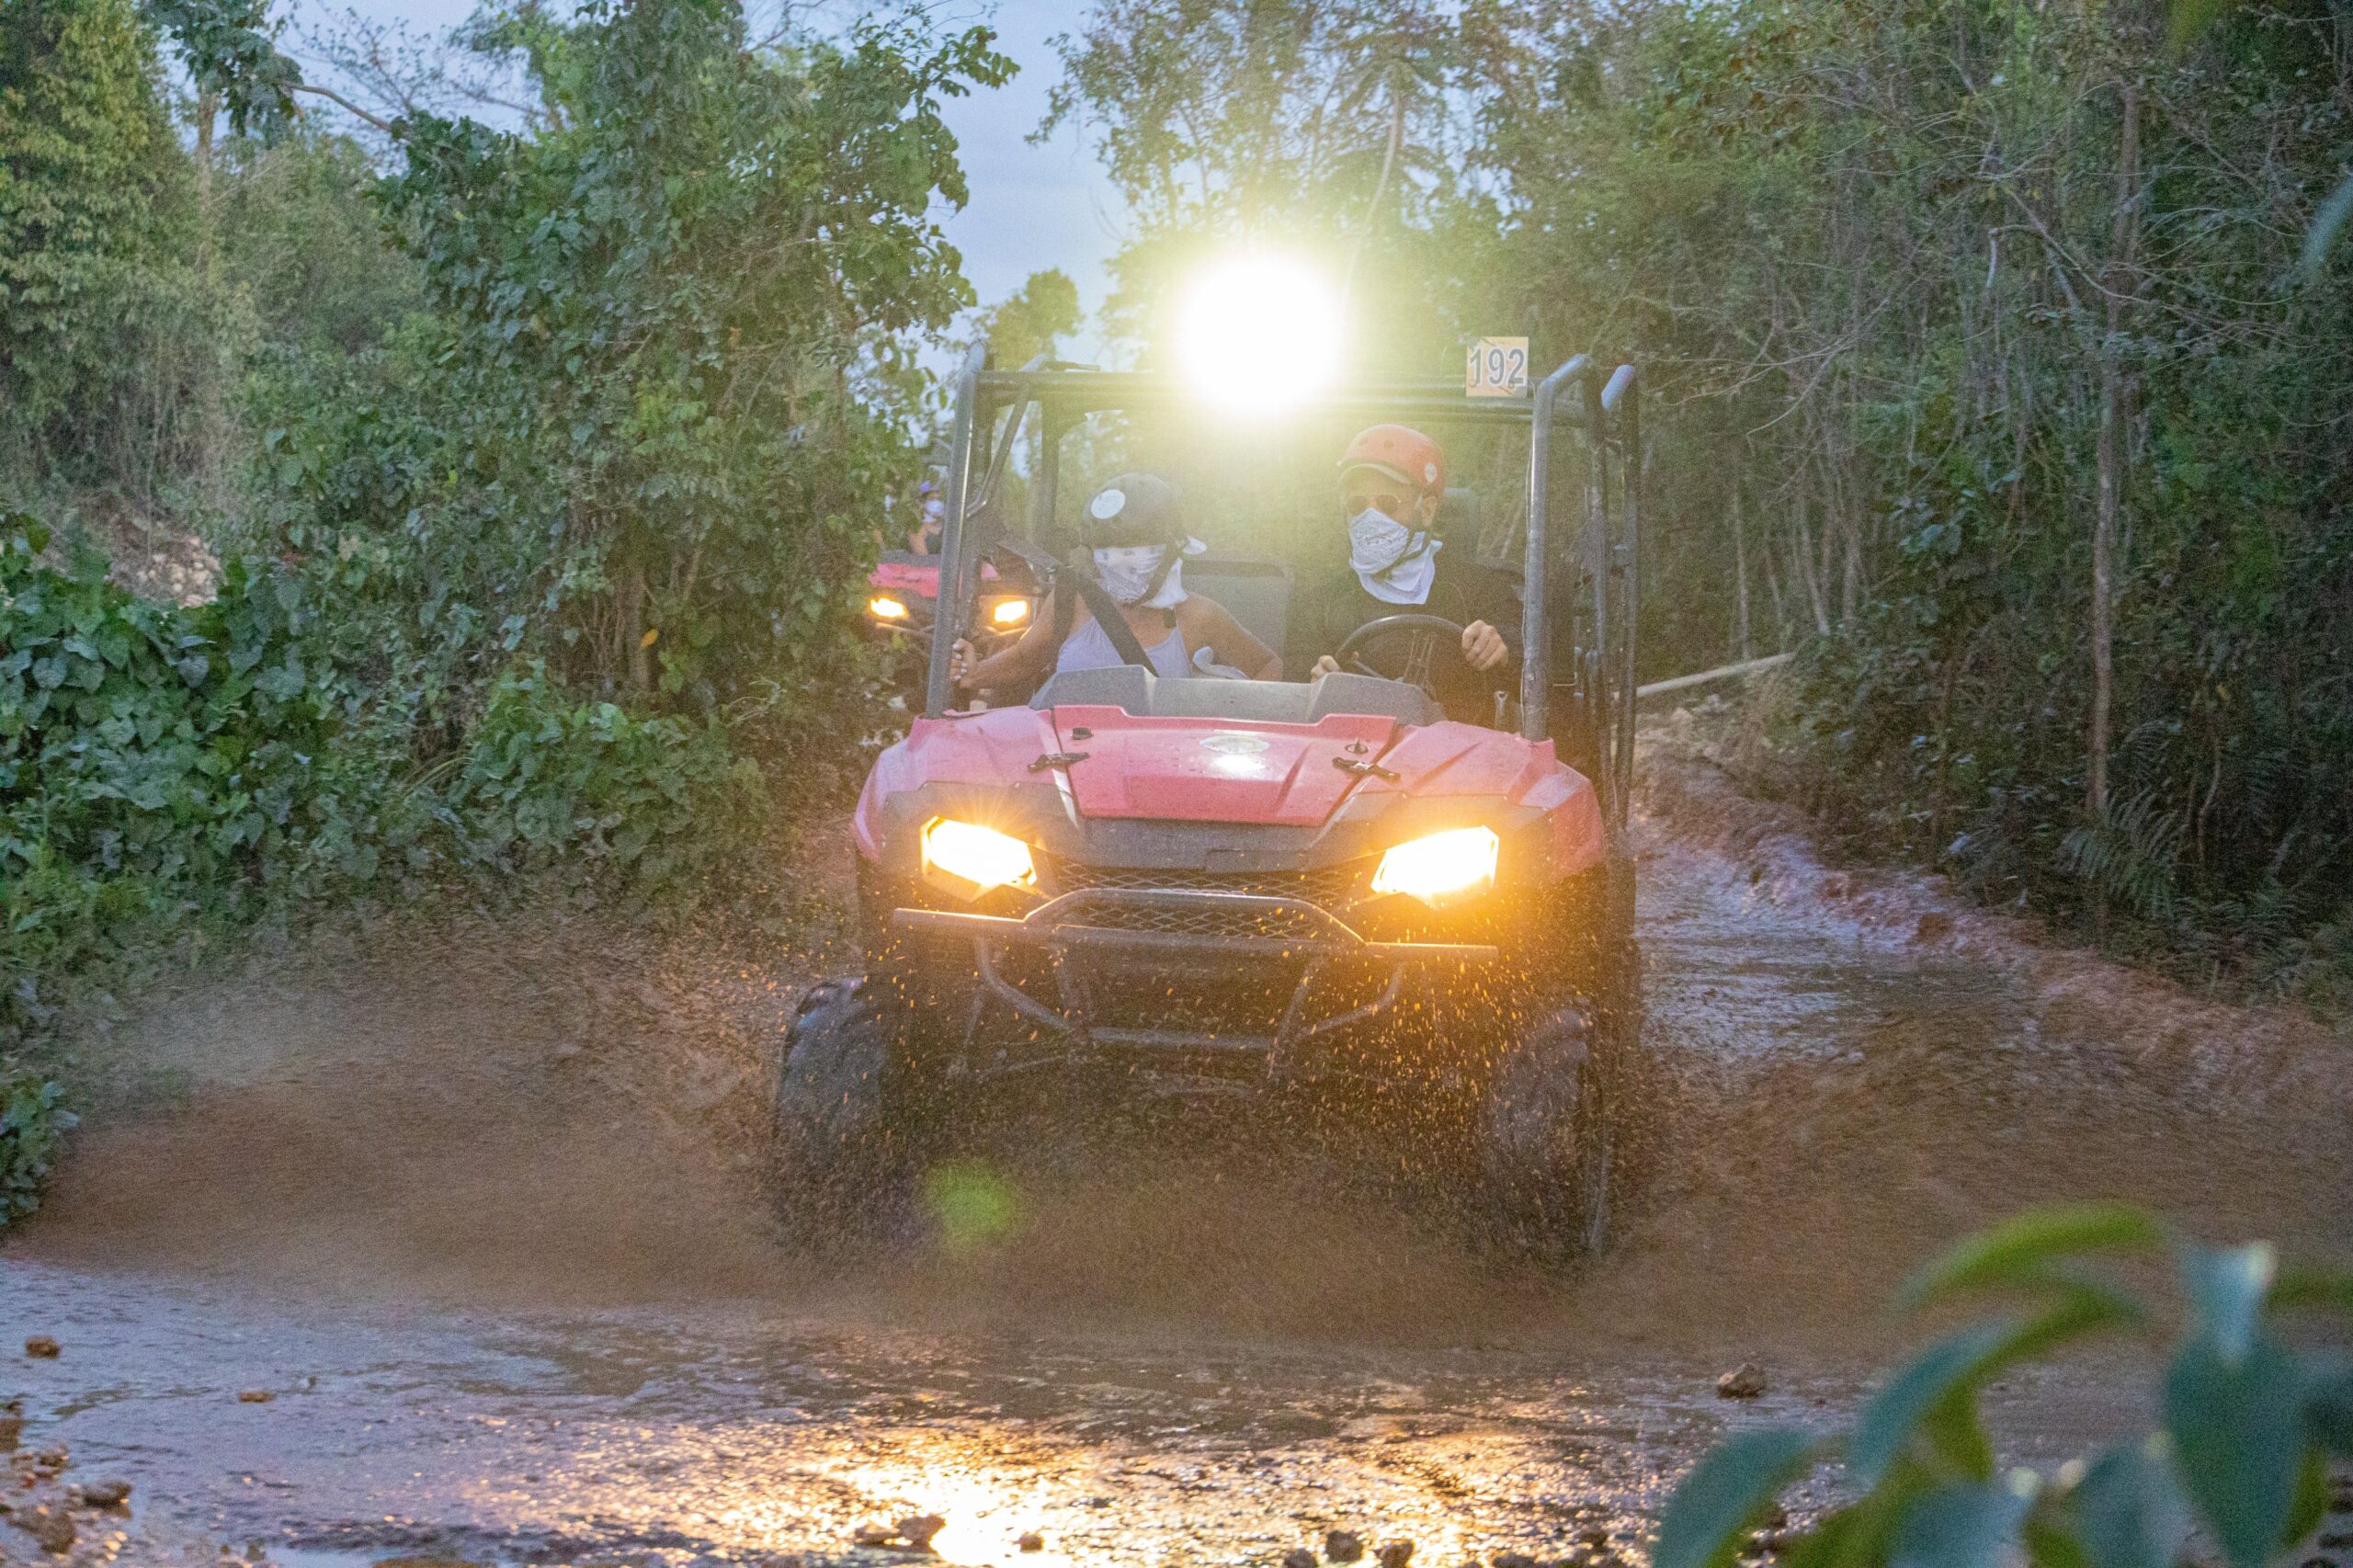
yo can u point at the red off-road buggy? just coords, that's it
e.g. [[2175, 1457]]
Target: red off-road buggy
[[1322, 888]]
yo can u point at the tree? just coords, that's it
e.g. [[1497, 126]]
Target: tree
[[1317, 125], [1029, 321], [104, 329], [671, 366]]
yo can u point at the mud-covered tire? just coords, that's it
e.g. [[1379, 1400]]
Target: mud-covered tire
[[1545, 1141], [840, 1130]]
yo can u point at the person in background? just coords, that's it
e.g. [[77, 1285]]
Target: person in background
[[1392, 479], [1134, 528], [931, 517]]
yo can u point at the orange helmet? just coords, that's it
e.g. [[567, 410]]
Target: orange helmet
[[1404, 454]]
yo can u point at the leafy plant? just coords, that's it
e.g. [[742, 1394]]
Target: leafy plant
[[2131, 853], [31, 1121], [2246, 1422], [158, 763], [548, 776]]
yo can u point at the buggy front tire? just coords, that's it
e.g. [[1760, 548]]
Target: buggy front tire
[[840, 1131], [1545, 1147]]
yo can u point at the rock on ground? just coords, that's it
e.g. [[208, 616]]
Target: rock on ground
[[1744, 1381]]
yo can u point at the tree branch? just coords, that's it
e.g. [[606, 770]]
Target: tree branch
[[389, 128]]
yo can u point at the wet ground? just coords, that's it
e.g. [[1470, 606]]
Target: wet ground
[[485, 1225]]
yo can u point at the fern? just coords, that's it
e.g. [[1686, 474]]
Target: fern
[[2131, 855]]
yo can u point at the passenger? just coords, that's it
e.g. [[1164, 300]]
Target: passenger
[[932, 517], [1391, 481], [1135, 528]]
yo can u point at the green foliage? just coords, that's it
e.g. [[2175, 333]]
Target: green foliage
[[106, 331], [228, 47], [156, 763], [2246, 1423], [300, 234], [667, 382], [562, 454], [548, 777], [31, 1121], [1029, 321], [1709, 1516]]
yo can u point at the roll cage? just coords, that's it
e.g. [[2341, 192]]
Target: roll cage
[[1577, 667]]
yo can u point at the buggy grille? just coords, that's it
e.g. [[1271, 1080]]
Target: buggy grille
[[1334, 887], [1203, 918]]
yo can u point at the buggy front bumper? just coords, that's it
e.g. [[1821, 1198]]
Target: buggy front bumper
[[1089, 936]]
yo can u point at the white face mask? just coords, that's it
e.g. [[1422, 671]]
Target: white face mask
[[1126, 574], [1377, 541], [934, 509], [1396, 563]]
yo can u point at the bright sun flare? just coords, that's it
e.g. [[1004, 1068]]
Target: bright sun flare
[[1258, 332]]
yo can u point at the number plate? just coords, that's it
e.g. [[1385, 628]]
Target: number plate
[[1497, 367]]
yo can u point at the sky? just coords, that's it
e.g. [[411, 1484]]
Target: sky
[[1031, 208]]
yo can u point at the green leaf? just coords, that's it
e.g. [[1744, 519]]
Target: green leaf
[[1715, 1505], [2238, 1436], [2328, 1404], [2311, 1504], [1968, 1524], [2015, 1252], [1958, 1437], [2302, 1285], [2128, 1510], [2052, 1543], [2227, 1287], [1955, 1365], [1852, 1537], [2186, 20]]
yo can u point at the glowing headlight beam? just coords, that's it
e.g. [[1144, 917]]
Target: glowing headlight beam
[[1008, 612], [882, 607], [1258, 332], [1440, 866], [979, 856]]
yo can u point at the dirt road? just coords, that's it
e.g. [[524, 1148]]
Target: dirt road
[[482, 1220]]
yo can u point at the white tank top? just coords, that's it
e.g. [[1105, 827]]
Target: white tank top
[[1089, 648]]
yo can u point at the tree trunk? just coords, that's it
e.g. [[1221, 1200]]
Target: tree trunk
[[635, 648], [1807, 576], [1747, 649], [2122, 263], [208, 110]]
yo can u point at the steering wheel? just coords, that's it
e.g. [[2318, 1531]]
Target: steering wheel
[[1424, 628]]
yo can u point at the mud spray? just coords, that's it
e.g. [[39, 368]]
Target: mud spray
[[485, 1211]]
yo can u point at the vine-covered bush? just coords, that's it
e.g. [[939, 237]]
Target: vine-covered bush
[[549, 777], [31, 1121], [2246, 1423], [162, 767], [158, 762]]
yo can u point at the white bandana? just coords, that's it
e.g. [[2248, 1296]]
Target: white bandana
[[1397, 564], [1126, 574]]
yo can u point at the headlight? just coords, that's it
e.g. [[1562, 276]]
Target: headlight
[[1440, 866], [1008, 613], [979, 858], [882, 607]]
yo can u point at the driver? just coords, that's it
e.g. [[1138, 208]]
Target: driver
[[1392, 480]]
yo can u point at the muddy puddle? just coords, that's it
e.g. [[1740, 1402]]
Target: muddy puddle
[[485, 1225]]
